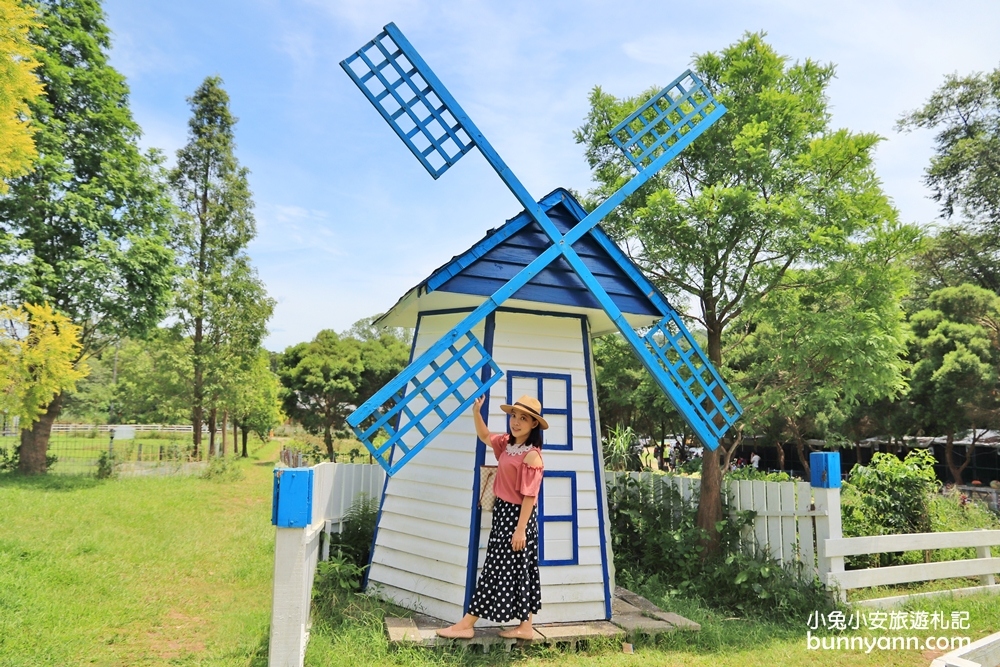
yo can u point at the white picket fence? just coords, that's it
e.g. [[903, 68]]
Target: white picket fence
[[785, 524]]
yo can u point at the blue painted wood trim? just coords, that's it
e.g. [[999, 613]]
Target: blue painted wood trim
[[598, 463], [385, 483], [567, 411], [571, 518], [476, 514]]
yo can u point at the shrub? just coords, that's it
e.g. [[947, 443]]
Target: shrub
[[223, 469], [658, 546], [888, 497], [10, 459], [354, 541], [621, 449], [751, 473], [336, 580]]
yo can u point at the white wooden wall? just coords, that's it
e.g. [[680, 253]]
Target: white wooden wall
[[548, 344], [421, 550]]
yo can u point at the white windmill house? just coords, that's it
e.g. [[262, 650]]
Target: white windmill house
[[527, 299]]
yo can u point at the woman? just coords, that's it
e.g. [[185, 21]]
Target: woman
[[509, 586]]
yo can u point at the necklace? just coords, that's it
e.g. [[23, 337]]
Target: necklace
[[518, 449]]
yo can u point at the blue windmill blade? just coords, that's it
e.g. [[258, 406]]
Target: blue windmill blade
[[432, 398], [409, 96]]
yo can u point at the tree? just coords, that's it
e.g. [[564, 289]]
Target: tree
[[768, 187], [628, 395], [88, 230], [257, 408], [956, 354], [222, 304], [153, 383], [17, 64], [964, 173], [828, 340], [324, 380], [964, 176], [38, 348], [320, 381]]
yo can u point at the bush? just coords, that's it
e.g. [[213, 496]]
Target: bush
[[621, 450], [657, 545], [888, 497], [105, 466], [751, 473], [336, 580], [223, 469], [10, 459], [354, 542]]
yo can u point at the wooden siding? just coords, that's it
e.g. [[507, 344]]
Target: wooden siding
[[550, 344], [421, 550]]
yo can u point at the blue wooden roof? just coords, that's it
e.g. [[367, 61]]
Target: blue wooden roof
[[498, 257]]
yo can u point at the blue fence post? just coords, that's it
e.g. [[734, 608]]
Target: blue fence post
[[291, 501], [824, 477]]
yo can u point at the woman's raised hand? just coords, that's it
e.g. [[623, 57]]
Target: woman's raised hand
[[478, 404]]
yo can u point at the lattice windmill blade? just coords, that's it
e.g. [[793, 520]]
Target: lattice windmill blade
[[432, 124]]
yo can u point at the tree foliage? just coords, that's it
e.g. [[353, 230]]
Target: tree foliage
[[956, 354], [38, 351], [829, 339], [222, 303], [18, 85], [325, 379], [88, 230], [769, 187], [964, 177]]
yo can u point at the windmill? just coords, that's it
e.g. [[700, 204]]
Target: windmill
[[442, 382]]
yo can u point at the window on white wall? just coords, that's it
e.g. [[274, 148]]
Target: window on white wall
[[553, 390], [557, 519]]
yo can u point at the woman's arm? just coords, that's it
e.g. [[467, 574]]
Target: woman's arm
[[532, 460], [481, 430], [521, 532]]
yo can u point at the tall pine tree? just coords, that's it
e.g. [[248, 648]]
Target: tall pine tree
[[222, 303], [88, 230]]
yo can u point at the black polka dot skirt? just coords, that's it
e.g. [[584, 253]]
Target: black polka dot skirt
[[509, 587]]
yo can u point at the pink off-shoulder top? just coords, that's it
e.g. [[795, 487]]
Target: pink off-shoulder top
[[514, 480]]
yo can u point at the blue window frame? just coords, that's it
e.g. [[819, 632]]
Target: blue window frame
[[557, 533], [557, 403]]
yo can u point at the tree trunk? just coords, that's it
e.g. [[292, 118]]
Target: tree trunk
[[781, 456], [225, 431], [198, 409], [245, 434], [710, 502], [211, 432], [949, 457], [801, 449], [328, 440], [35, 440], [236, 447]]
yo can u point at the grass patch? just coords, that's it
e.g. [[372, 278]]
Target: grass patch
[[136, 571]]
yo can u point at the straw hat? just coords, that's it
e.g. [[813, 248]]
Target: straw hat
[[528, 405]]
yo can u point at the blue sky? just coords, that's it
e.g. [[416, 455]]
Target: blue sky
[[348, 220]]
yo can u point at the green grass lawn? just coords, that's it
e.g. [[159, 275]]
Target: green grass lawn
[[139, 571], [177, 571]]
